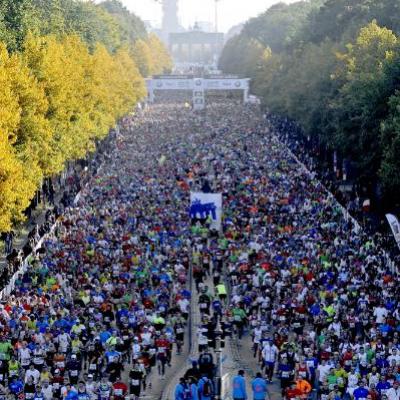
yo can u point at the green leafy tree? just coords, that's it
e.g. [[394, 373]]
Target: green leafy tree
[[131, 26], [362, 100], [280, 24], [390, 165], [336, 73], [17, 18], [243, 55]]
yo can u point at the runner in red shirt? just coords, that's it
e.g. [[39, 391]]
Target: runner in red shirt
[[120, 390], [162, 345]]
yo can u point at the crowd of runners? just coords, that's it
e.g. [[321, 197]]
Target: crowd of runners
[[103, 306], [318, 297]]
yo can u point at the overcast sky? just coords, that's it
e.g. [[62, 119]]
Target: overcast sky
[[231, 12]]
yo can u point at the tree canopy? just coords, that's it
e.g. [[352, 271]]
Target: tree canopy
[[68, 72], [334, 68]]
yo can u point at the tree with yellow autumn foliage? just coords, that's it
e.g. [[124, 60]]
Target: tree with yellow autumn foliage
[[69, 70], [161, 61], [21, 106]]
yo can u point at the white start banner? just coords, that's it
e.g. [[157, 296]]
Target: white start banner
[[395, 226], [204, 205], [197, 83]]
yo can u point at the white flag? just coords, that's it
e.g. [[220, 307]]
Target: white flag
[[203, 205], [395, 226]]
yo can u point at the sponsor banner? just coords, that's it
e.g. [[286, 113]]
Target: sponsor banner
[[395, 227], [172, 84], [224, 84], [197, 83]]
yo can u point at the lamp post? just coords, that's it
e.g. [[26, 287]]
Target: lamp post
[[218, 373], [215, 55], [216, 15]]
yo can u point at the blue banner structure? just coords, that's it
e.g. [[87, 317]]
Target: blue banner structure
[[204, 205]]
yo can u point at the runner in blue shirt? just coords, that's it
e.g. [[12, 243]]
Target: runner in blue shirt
[[239, 387], [361, 393], [259, 387]]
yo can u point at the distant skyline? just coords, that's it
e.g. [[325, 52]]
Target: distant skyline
[[231, 12]]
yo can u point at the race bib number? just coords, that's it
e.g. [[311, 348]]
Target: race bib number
[[258, 388]]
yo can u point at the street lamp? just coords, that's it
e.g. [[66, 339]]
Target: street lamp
[[218, 374], [215, 55], [216, 15]]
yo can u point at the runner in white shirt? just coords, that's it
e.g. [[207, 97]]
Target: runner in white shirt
[[24, 356], [269, 355], [202, 338], [395, 356], [394, 392], [184, 306], [34, 373], [352, 381], [146, 337], [380, 313], [91, 388], [64, 341], [257, 334], [373, 377], [323, 370], [47, 390], [136, 348]]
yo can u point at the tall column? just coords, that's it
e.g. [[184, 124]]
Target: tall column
[[245, 95], [180, 52], [151, 95], [170, 22]]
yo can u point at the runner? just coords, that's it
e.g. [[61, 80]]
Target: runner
[[116, 268]]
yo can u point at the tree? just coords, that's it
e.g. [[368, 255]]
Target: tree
[[141, 53], [362, 100], [279, 25], [17, 18], [19, 169], [68, 73], [341, 20], [390, 165], [77, 84], [161, 59], [131, 27], [243, 55], [15, 192]]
